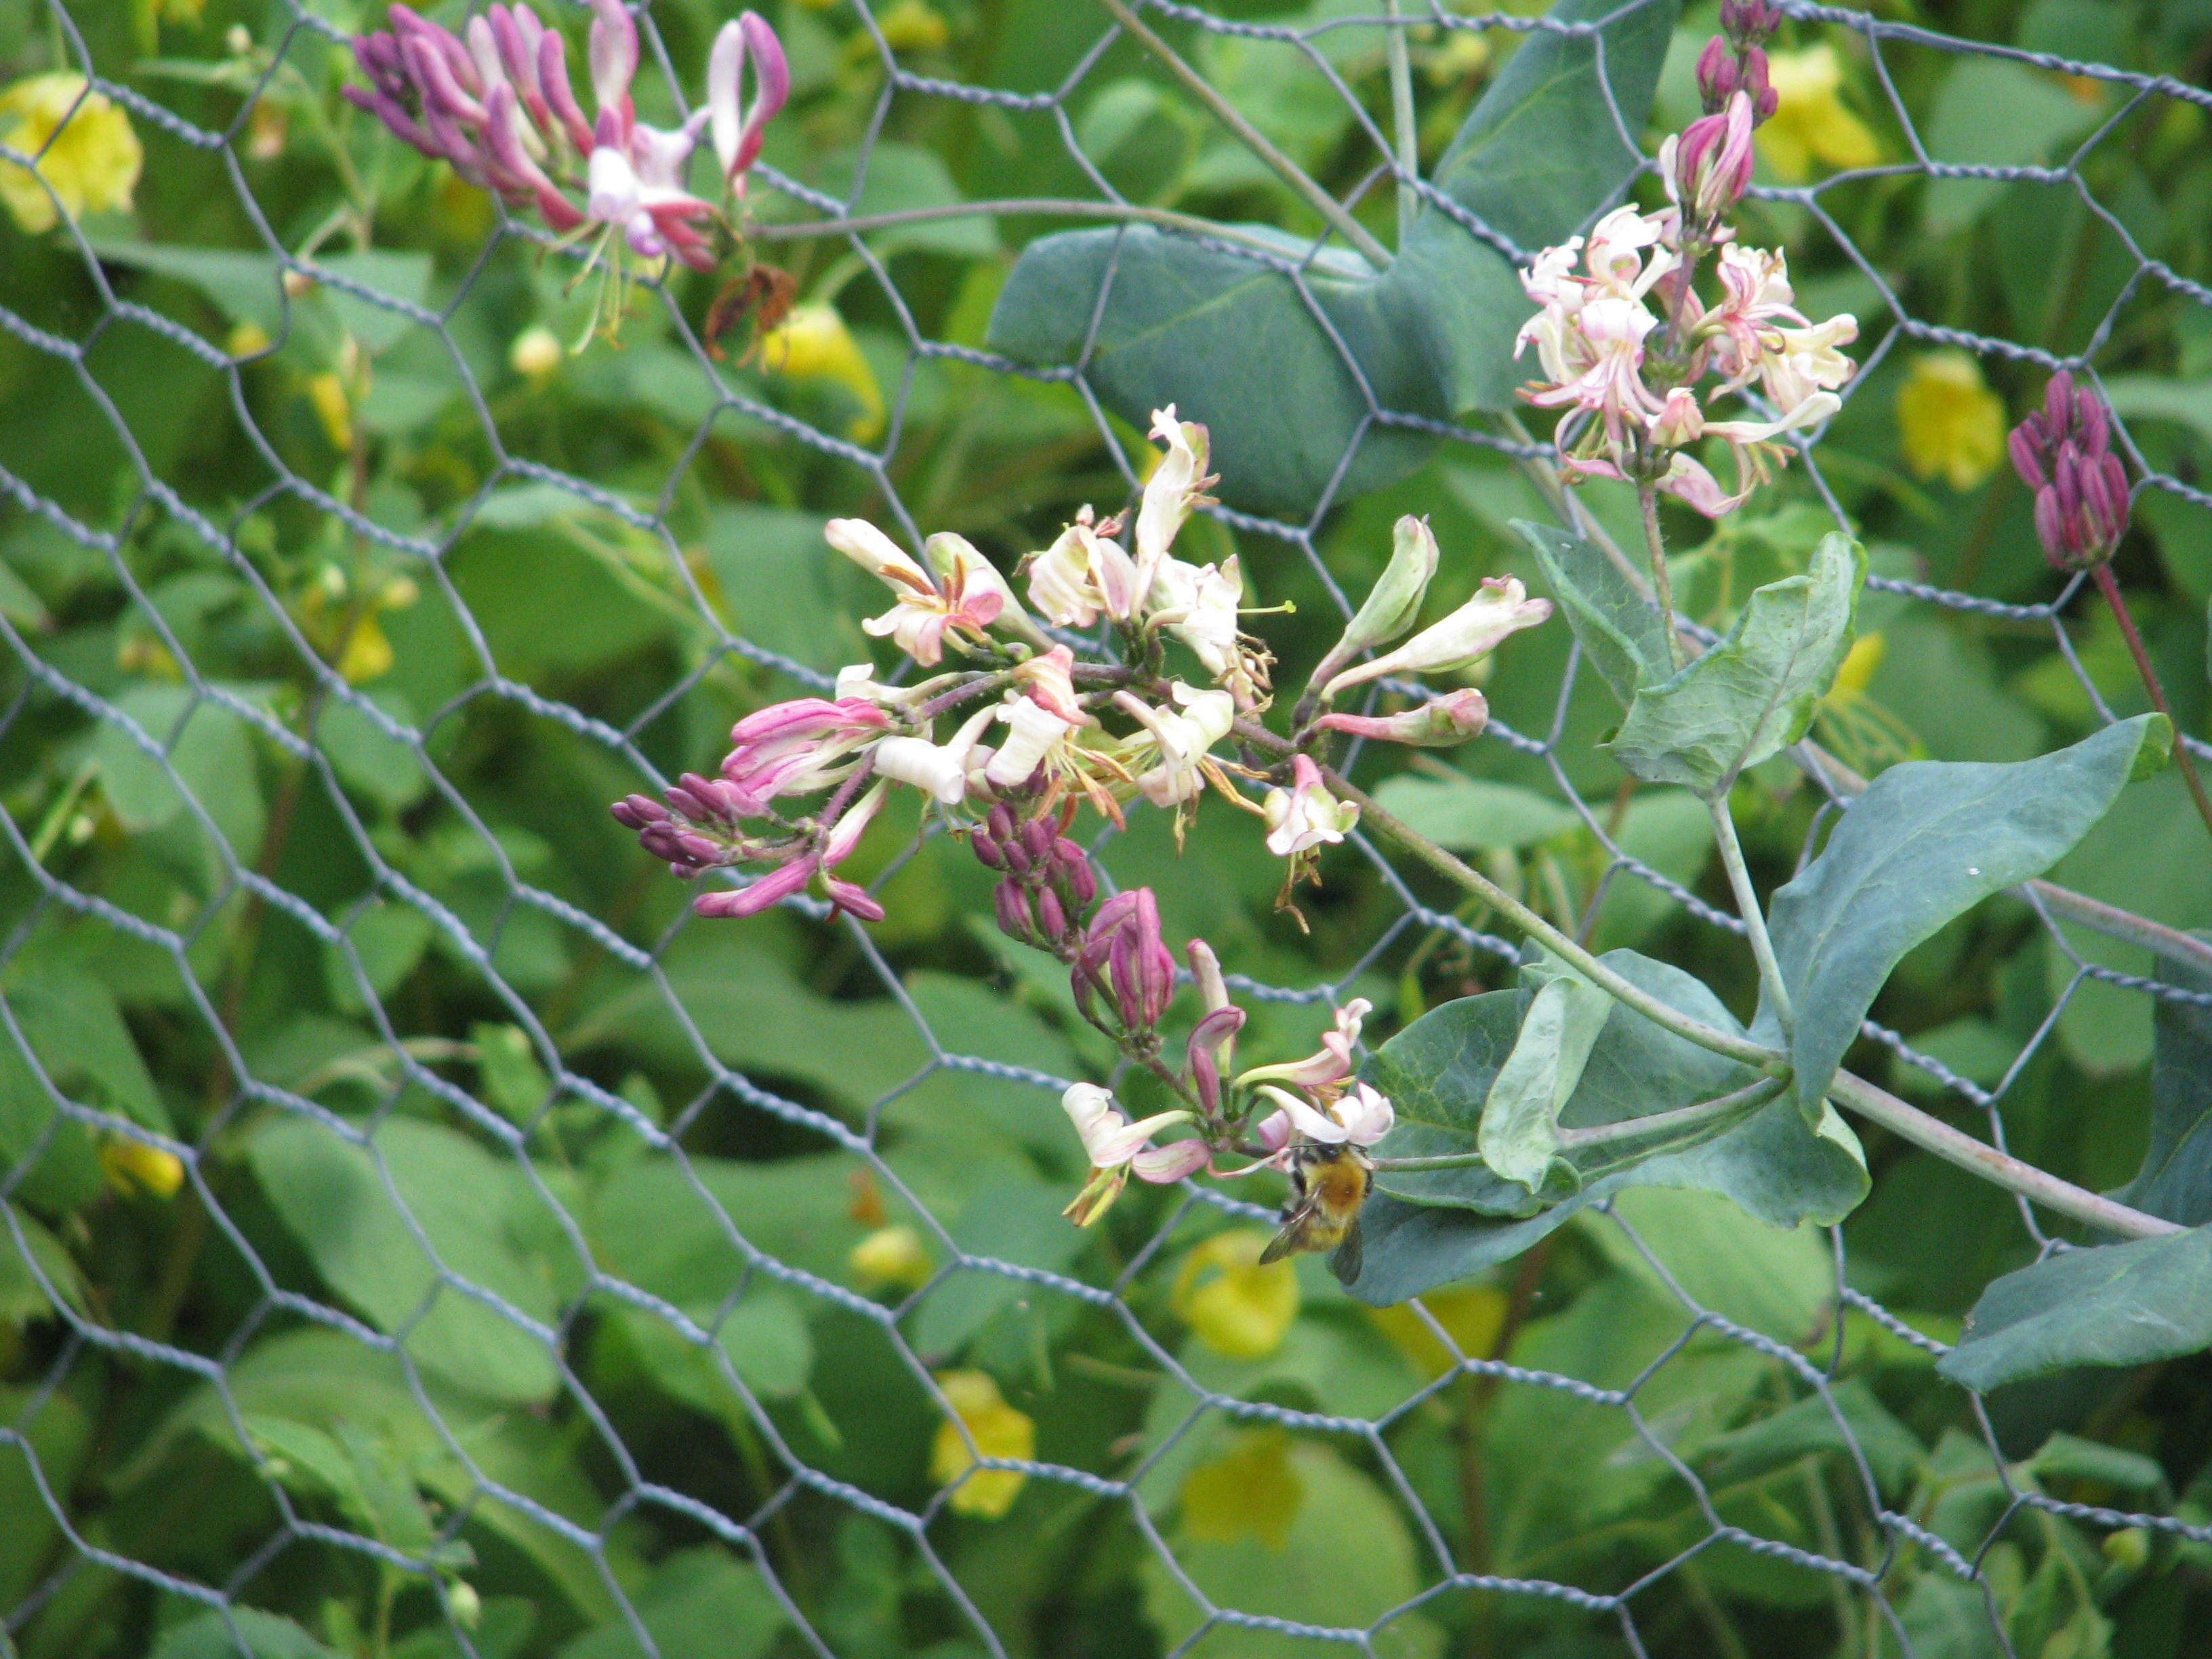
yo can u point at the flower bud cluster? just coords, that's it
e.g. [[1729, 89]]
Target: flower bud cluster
[[1626, 342], [1047, 886], [497, 105], [2063, 452]]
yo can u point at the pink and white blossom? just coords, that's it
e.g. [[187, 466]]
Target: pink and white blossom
[[1306, 816]]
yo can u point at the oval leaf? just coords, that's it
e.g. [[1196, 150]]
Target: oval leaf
[[2119, 1304], [1926, 842], [1753, 693], [1619, 629]]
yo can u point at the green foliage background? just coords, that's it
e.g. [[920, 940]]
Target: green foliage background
[[516, 1250]]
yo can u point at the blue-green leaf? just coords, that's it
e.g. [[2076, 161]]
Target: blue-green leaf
[[1619, 629], [2175, 1181], [1288, 372], [1754, 692], [1520, 1128], [2117, 1304], [1926, 842], [1424, 1228]]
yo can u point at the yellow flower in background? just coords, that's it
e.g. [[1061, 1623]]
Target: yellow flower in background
[[92, 160], [132, 1166], [997, 1429], [1471, 1316], [1949, 420], [1857, 669], [911, 26], [1235, 1306], [891, 1257], [813, 343], [535, 353], [327, 391], [1810, 123], [1252, 1491]]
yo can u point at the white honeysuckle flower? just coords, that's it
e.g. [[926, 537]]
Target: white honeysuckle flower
[[876, 553], [1333, 1062], [1181, 740], [1362, 1117], [1109, 1137], [1500, 607], [937, 770], [1177, 484], [1033, 731], [1306, 815], [1198, 605], [1082, 574]]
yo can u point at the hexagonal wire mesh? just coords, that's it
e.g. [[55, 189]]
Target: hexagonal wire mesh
[[147, 498]]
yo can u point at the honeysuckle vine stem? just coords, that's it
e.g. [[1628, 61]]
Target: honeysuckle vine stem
[[1747, 906], [1040, 206], [1405, 128], [1854, 1094], [1955, 1147], [1376, 817], [2110, 587], [1662, 585], [1737, 1103], [1331, 210]]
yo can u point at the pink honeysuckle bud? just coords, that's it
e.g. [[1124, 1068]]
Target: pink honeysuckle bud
[[1212, 1041], [1749, 21], [1708, 167], [1718, 76], [559, 97], [1162, 1165], [1010, 904], [1124, 955], [2063, 453], [613, 54], [768, 890], [1441, 723], [1072, 874], [739, 129]]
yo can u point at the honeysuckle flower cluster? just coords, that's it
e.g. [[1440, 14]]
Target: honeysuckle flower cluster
[[1010, 734], [1625, 343], [497, 103]]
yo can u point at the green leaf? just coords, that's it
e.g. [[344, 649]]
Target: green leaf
[[1755, 692], [1809, 1429], [1520, 1128], [210, 756], [1770, 1164], [22, 1293], [2175, 1181], [1471, 814], [2117, 1304], [699, 1600], [1926, 842], [1993, 113], [1619, 630], [1437, 1072], [1287, 372], [55, 1434], [332, 1195], [238, 1633], [1290, 1566]]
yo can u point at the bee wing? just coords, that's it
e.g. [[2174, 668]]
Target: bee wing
[[1345, 1264], [1292, 1237]]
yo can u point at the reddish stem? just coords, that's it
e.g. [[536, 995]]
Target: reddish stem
[[2111, 589]]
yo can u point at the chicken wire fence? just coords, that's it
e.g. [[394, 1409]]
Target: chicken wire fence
[[149, 498]]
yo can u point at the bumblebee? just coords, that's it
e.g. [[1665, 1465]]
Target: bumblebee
[[1328, 1186]]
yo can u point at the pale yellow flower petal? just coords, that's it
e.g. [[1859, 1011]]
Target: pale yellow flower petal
[[998, 1430], [813, 343], [1233, 1304], [132, 1166], [1948, 420], [1810, 122], [85, 148], [1252, 1491], [891, 1258]]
